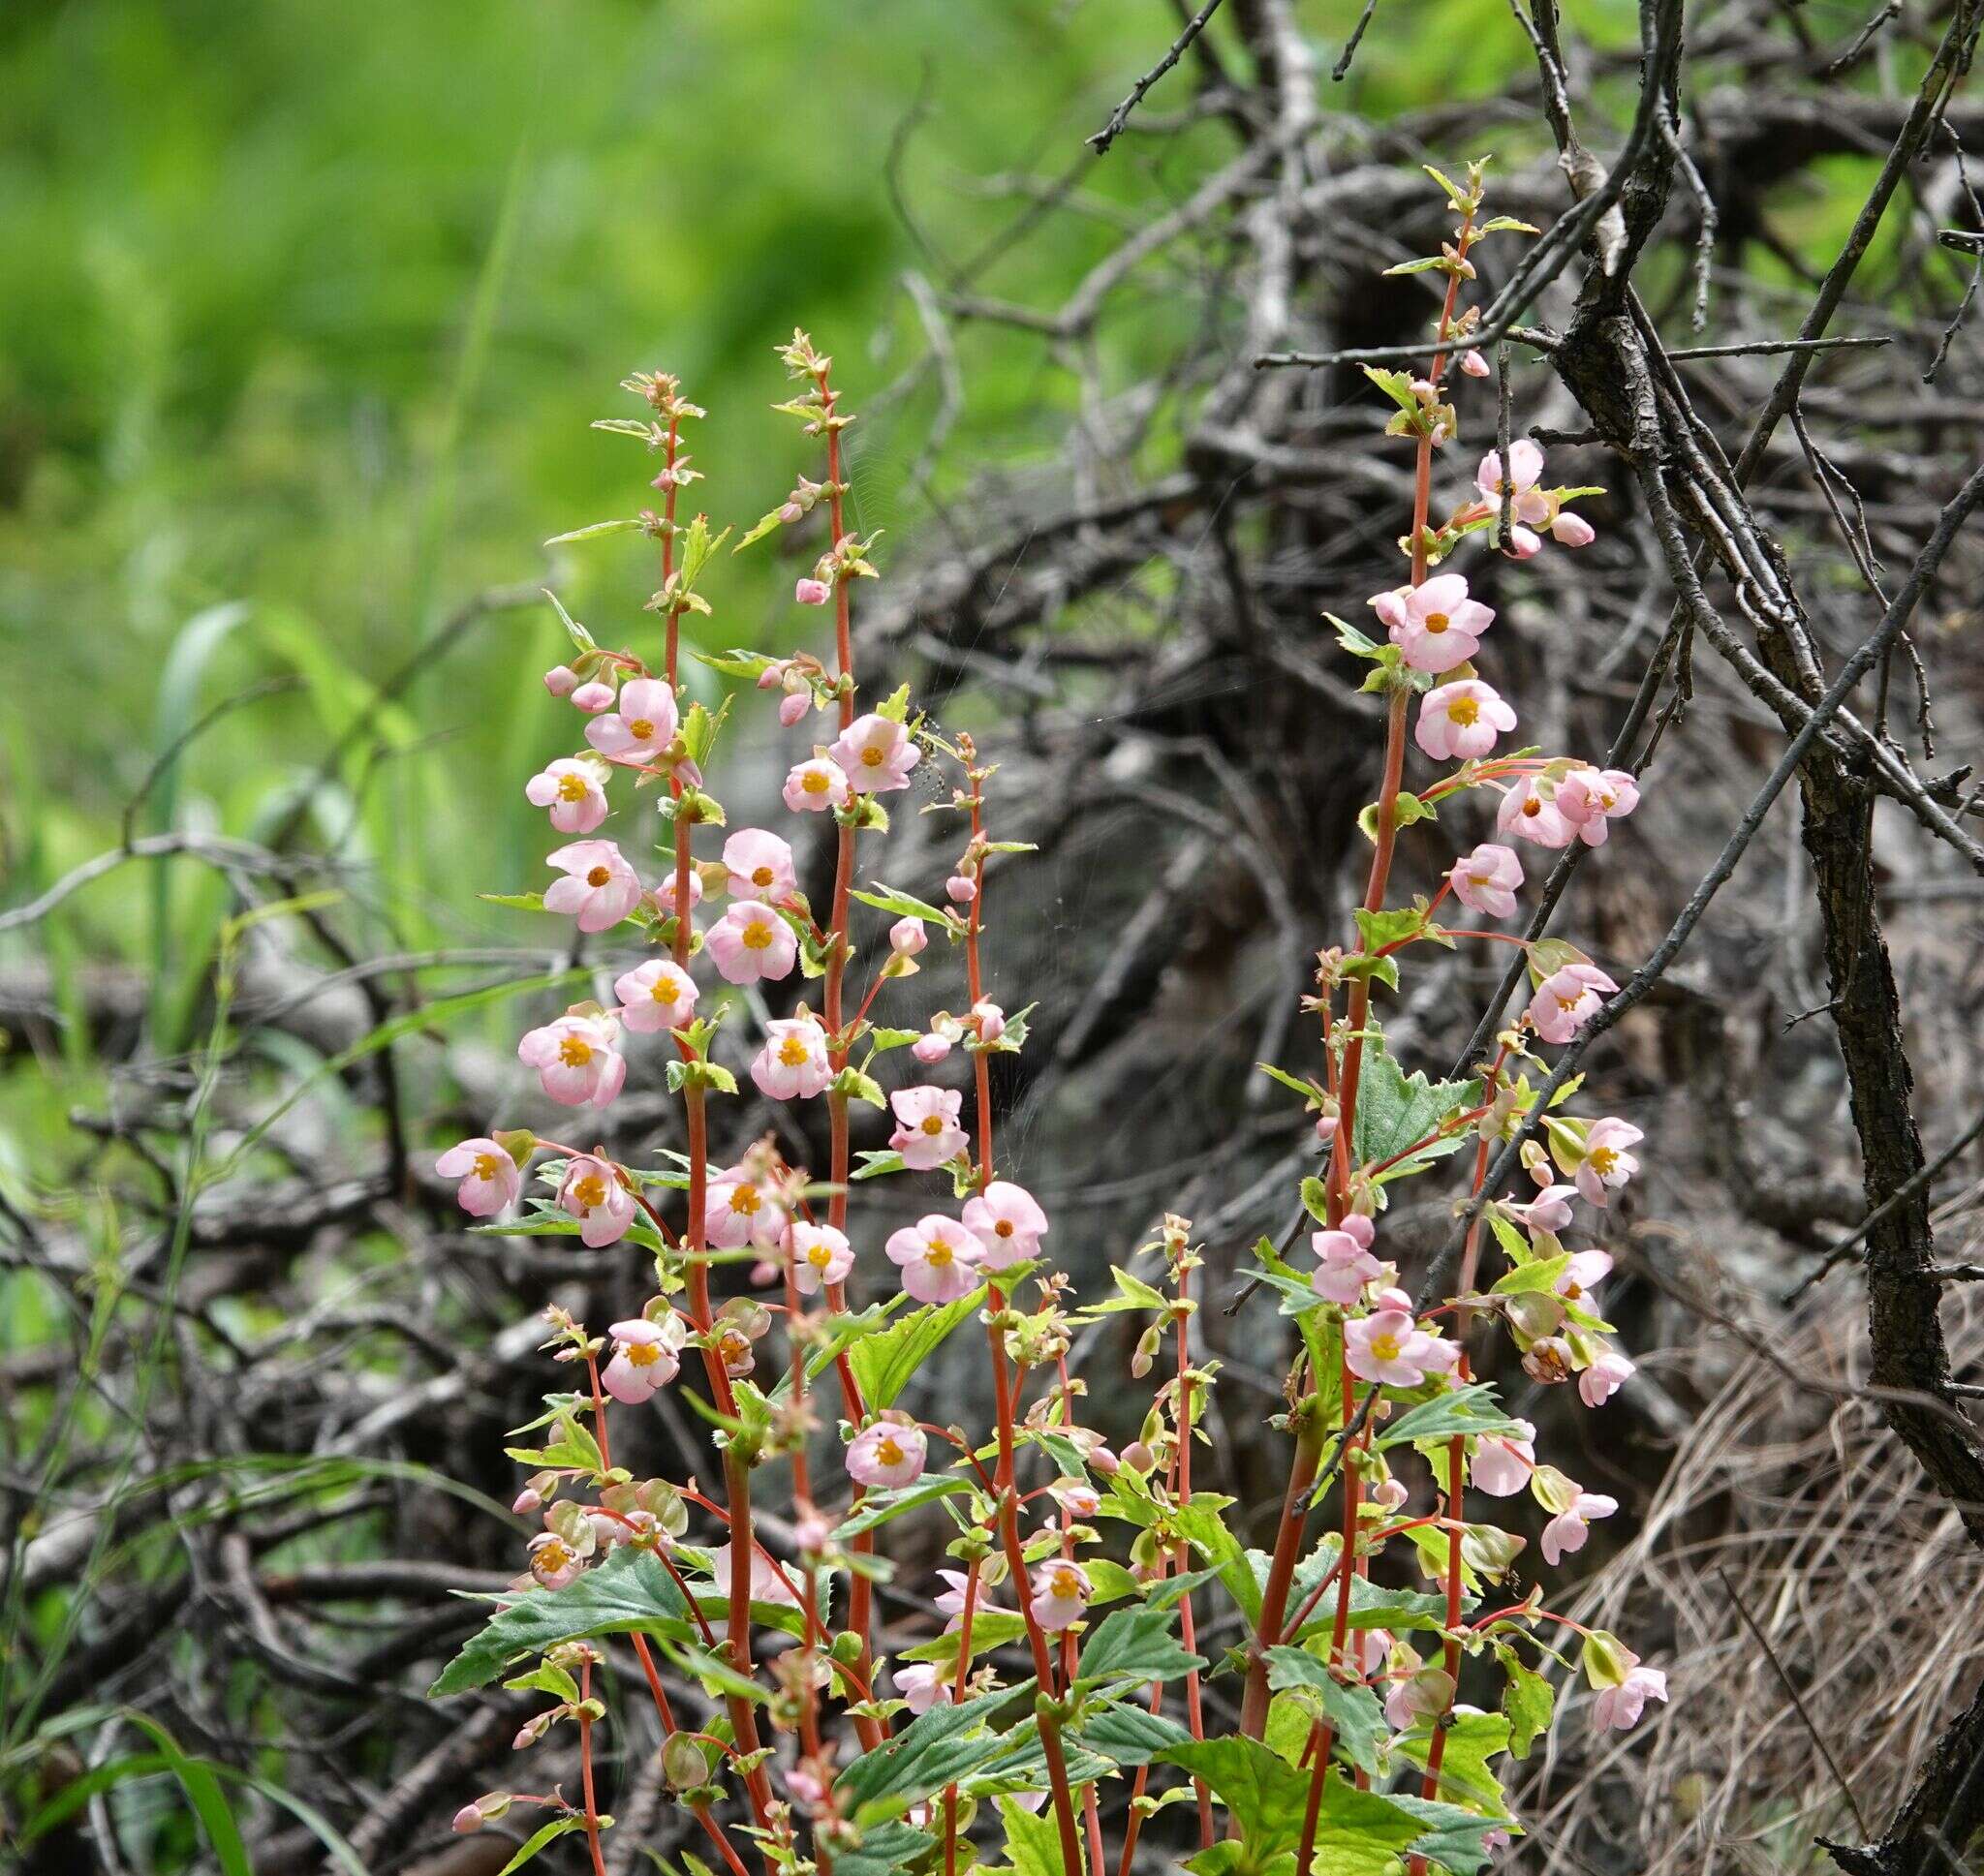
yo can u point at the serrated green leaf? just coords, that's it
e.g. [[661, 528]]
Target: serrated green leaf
[[1352, 1711], [1135, 1645], [1528, 1703], [883, 1364], [934, 1750], [1128, 1735], [877, 1508], [1464, 1411], [1394, 1110]]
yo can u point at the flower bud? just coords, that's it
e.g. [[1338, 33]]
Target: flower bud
[[961, 889], [468, 1818], [561, 680], [812, 593], [593, 697], [1523, 543], [930, 1049], [793, 709], [907, 936], [1138, 1457], [1327, 1128], [1573, 531], [1103, 1461], [1474, 364], [527, 1501], [991, 1019]]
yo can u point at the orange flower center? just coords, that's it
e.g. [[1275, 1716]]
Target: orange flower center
[[574, 1052], [641, 728]]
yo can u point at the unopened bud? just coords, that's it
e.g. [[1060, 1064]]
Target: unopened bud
[[793, 709], [811, 592], [561, 680]]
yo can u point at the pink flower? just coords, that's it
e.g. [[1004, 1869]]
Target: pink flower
[[1367, 1650], [961, 888], [1549, 1211], [1566, 1001], [1387, 1347], [647, 1355], [1526, 468], [820, 1254], [1008, 1221], [641, 728], [1388, 1494], [554, 1564], [907, 936], [938, 1258], [922, 1684], [656, 996], [1608, 1163], [561, 680], [490, 1179], [793, 709], [815, 787], [1439, 627], [594, 1193], [1605, 1376], [1346, 1267], [876, 754], [792, 1064], [990, 1019], [1567, 1530], [576, 1060], [468, 1818], [1591, 799], [1474, 364], [811, 592], [927, 1132], [1620, 1707], [751, 942], [664, 893], [1586, 1269], [889, 1455], [1572, 530], [593, 697], [1530, 813], [1503, 1464], [1461, 719], [1487, 880], [761, 865], [769, 1583], [737, 1210], [930, 1048], [598, 886], [1061, 1592], [1424, 1695], [570, 788]]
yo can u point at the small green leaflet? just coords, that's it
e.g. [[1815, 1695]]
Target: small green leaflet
[[885, 898], [879, 1507], [1467, 1411], [1528, 1702], [542, 1838], [597, 530]]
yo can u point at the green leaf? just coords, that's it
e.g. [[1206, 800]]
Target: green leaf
[[934, 1750], [885, 898], [1352, 1711], [1452, 1837], [884, 1850], [874, 1165], [1359, 1834], [629, 1593], [877, 1508], [1394, 1110], [1507, 225], [596, 530], [883, 1364], [1032, 1844], [1128, 1735], [1377, 930], [203, 1788], [1200, 1522], [1353, 640], [541, 1838], [1135, 1645], [1131, 1293], [517, 901], [1307, 1089], [1426, 263], [1467, 1411], [1528, 1702]]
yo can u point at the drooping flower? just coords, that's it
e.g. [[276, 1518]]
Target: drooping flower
[[561, 680], [961, 888], [738, 1209], [1487, 880], [1502, 1463], [922, 1684], [927, 1133], [656, 996], [646, 1356], [593, 1193], [1060, 1594], [1620, 1707], [1009, 1221], [889, 1455], [1567, 1530], [1462, 720], [570, 788], [593, 697], [598, 888], [814, 786], [876, 754], [1566, 1000], [1608, 1163], [1592, 799], [907, 936], [554, 1564], [1603, 1379], [1347, 1266], [1436, 626], [1586, 1268], [769, 1583], [665, 892], [1572, 530], [1367, 1650], [751, 942], [490, 1179], [792, 1064], [643, 726], [1549, 1211], [1422, 1695], [821, 1255], [1388, 1348], [1529, 812], [576, 1060], [761, 865], [811, 592], [1529, 503], [938, 1258]]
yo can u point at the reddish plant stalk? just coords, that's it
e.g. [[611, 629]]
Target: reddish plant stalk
[[585, 1770]]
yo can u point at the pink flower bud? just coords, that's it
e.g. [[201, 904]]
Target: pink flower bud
[[1103, 1461], [812, 593], [469, 1818], [773, 675], [961, 889], [525, 1736], [1138, 1457], [793, 709], [930, 1049], [791, 512], [1474, 364], [991, 1021], [1327, 1128], [907, 936], [593, 697], [1573, 531], [527, 1501], [1522, 543], [561, 680]]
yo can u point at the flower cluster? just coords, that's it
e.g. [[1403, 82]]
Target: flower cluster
[[832, 1322]]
